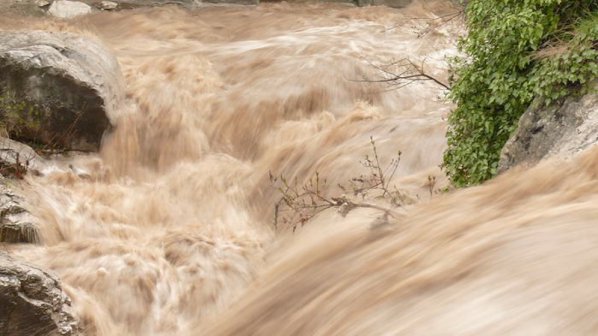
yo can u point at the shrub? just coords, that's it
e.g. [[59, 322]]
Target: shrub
[[516, 51]]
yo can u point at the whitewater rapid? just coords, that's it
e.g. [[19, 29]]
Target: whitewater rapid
[[172, 221]]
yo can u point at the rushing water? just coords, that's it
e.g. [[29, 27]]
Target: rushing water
[[171, 223]]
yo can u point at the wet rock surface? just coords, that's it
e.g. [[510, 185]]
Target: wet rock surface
[[32, 302], [558, 130], [17, 225], [57, 89], [18, 159]]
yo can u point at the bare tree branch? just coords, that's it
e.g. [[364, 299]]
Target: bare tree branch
[[298, 204], [407, 73]]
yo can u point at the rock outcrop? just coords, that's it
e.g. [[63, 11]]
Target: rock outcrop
[[17, 225], [562, 130], [17, 159], [57, 89], [32, 302]]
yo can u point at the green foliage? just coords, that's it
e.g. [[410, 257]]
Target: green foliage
[[17, 115], [516, 51]]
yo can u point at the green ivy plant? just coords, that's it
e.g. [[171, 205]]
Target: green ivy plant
[[516, 51]]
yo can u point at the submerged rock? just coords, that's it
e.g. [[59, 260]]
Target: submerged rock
[[57, 89], [108, 5], [389, 3], [558, 130], [32, 302], [43, 3], [66, 9]]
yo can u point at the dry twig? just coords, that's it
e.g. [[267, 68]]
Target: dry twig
[[301, 202]]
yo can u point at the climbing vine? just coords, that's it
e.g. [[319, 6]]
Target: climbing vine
[[516, 51]]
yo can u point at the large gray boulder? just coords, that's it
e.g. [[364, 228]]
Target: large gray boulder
[[32, 302], [559, 130], [57, 89]]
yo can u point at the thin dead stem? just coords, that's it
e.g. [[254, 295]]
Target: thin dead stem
[[300, 203]]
